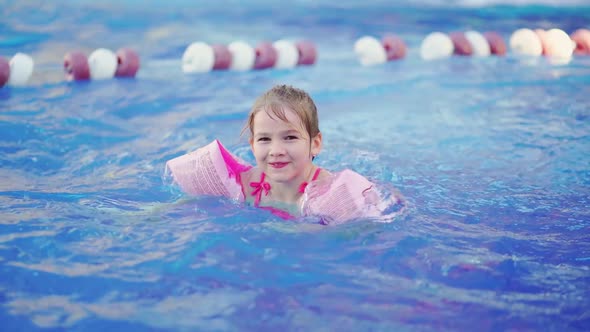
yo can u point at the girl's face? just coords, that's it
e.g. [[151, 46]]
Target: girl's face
[[283, 150]]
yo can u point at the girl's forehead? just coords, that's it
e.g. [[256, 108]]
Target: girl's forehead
[[266, 118]]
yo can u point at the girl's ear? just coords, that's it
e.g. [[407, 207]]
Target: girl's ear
[[251, 141], [316, 144]]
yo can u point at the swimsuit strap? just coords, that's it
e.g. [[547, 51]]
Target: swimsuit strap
[[316, 174], [265, 186], [304, 184], [260, 187]]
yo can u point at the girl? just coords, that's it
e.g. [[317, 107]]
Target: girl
[[285, 138]]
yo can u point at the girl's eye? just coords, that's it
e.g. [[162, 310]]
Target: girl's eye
[[291, 137], [263, 139]]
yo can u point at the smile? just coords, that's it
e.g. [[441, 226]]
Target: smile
[[278, 165]]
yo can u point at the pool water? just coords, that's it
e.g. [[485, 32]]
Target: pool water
[[491, 154]]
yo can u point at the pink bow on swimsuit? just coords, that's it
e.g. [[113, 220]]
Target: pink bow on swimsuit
[[260, 187]]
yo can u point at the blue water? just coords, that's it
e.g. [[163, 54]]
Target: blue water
[[492, 155]]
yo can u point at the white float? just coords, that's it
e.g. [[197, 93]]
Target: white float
[[198, 57], [479, 43], [436, 45], [370, 51], [21, 69], [243, 56], [287, 54], [102, 64], [526, 42], [559, 44]]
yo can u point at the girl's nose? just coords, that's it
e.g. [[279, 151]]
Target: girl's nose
[[277, 149]]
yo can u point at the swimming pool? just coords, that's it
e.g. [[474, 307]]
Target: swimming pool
[[492, 155]]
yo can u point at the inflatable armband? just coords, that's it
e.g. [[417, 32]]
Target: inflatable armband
[[345, 196], [210, 170]]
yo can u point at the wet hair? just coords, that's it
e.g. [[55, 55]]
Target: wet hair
[[281, 97]]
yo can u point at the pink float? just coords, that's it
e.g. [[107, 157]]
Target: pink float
[[307, 52], [4, 71], [127, 63], [222, 57], [582, 39], [266, 56], [497, 44], [394, 46], [542, 34], [461, 44], [76, 66]]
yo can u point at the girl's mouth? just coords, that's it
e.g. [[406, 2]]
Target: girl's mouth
[[278, 165]]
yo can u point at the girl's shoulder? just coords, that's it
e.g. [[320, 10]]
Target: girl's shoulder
[[247, 176]]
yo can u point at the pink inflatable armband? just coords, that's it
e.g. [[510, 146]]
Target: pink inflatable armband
[[345, 196], [211, 170]]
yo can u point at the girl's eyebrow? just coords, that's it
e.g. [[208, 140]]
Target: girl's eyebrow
[[285, 132]]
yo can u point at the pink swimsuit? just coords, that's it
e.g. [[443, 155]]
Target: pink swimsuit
[[264, 186]]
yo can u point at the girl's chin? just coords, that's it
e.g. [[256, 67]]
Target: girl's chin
[[279, 176]]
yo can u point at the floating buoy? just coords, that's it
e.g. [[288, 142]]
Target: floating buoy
[[287, 54], [198, 57], [558, 44], [21, 69], [266, 55], [555, 44], [4, 71], [102, 63], [581, 38], [307, 52], [394, 46], [370, 51], [435, 46], [542, 34], [127, 63], [222, 57], [496, 42], [461, 46], [526, 42], [479, 44], [76, 66], [243, 56]]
